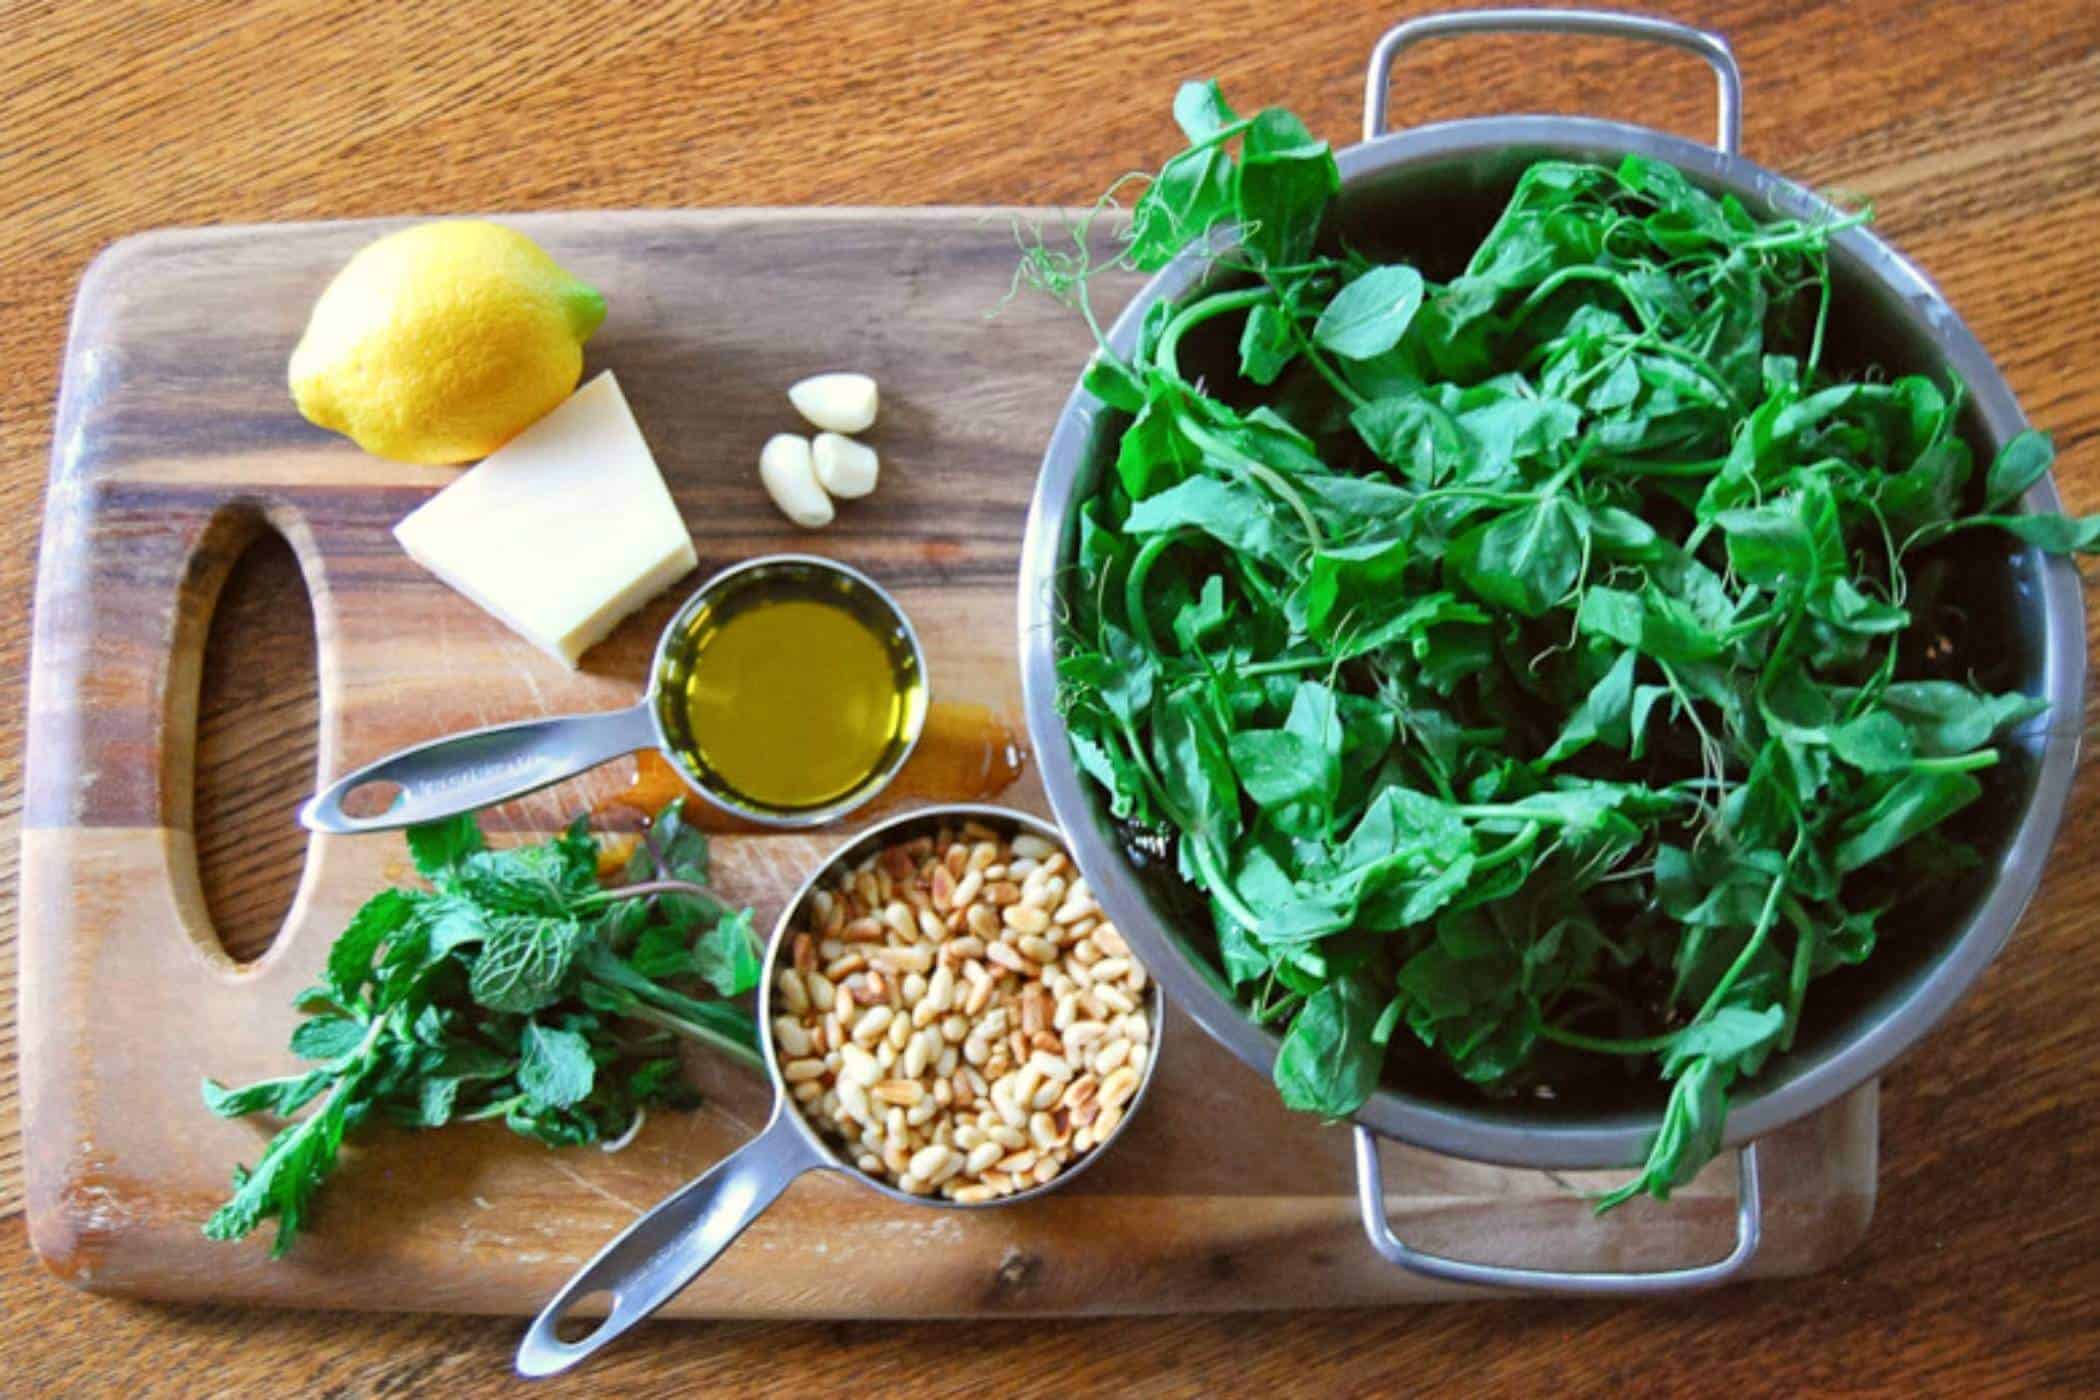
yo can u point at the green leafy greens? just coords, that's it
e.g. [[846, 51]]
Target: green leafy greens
[[1538, 665], [516, 988]]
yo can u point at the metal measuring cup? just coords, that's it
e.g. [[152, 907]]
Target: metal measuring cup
[[657, 1256], [479, 768]]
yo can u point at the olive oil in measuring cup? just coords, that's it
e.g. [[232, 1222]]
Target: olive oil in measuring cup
[[792, 688], [787, 691]]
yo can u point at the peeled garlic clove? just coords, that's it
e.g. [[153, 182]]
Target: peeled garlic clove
[[845, 468], [841, 403], [790, 477]]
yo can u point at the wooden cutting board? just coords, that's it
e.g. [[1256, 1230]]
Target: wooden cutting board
[[176, 445]]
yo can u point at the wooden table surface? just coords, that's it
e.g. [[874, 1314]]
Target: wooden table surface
[[1971, 127]]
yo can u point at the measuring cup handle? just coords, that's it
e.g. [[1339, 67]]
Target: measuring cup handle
[[658, 1255], [458, 774]]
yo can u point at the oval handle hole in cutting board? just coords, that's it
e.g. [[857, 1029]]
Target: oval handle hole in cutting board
[[258, 717]]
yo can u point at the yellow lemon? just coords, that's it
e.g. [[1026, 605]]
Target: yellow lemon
[[442, 342]]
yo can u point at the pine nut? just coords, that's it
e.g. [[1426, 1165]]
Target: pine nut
[[823, 993], [1067, 1012], [1049, 1066], [916, 1054], [1041, 949], [1117, 1087], [806, 1091], [899, 1032], [872, 1023], [984, 1154], [915, 958], [1110, 1056], [1025, 918], [795, 1071], [790, 1037], [1109, 941], [1032, 846], [899, 1091], [1075, 908], [974, 1195], [792, 993]]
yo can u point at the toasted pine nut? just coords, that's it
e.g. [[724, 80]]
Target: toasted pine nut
[[805, 954], [915, 958], [793, 995], [1025, 918], [822, 993], [872, 1023], [789, 1036], [1117, 1087], [796, 1071]]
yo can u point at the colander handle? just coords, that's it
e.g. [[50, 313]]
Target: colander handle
[[1749, 1227], [1607, 24]]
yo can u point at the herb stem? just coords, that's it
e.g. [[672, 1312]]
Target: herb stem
[[1267, 475], [1165, 355], [644, 889]]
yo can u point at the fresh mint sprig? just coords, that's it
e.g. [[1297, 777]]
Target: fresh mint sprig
[[515, 988]]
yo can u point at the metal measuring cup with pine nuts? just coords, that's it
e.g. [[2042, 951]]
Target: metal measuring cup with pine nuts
[[960, 1016], [948, 1019]]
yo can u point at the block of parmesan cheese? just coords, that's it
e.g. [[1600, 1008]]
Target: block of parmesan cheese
[[564, 531]]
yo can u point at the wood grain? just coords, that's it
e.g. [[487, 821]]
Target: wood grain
[[184, 459], [1970, 126]]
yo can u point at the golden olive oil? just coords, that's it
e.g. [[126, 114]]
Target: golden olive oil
[[797, 690]]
